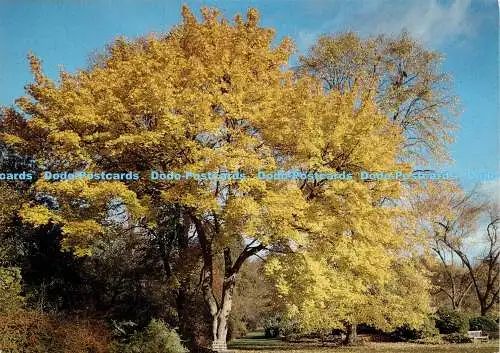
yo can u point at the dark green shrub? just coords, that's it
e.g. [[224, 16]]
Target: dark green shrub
[[451, 321], [366, 329], [483, 323], [457, 338], [271, 326], [407, 333]]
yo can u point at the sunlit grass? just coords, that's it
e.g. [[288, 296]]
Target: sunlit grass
[[258, 344]]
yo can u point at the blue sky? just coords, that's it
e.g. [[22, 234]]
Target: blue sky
[[64, 32]]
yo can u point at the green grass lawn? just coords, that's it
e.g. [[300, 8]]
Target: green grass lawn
[[255, 343]]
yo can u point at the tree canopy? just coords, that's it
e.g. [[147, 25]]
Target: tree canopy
[[410, 87], [214, 95]]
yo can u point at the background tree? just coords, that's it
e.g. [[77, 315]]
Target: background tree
[[450, 278], [253, 299], [410, 88], [456, 233], [464, 225], [362, 283], [12, 196]]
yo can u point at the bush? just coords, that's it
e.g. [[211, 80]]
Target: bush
[[24, 331], [33, 332], [10, 290], [277, 325], [272, 326], [457, 338], [407, 333], [156, 338], [82, 336], [429, 329], [483, 323], [236, 328], [451, 321], [429, 340]]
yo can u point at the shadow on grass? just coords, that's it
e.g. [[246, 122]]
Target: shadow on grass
[[256, 341]]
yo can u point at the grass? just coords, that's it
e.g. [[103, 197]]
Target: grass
[[256, 343]]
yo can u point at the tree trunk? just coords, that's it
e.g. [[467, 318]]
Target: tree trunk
[[219, 312], [221, 319], [351, 334], [483, 306], [219, 327]]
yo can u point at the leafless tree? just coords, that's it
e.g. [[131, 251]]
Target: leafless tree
[[471, 232]]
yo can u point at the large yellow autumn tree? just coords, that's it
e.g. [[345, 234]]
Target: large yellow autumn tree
[[216, 96]]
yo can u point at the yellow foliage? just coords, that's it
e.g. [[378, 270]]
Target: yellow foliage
[[38, 215], [215, 96], [79, 235]]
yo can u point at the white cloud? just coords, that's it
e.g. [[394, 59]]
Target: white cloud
[[433, 22], [430, 21], [306, 39], [491, 189]]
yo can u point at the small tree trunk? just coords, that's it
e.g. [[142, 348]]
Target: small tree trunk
[[484, 307], [351, 334]]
